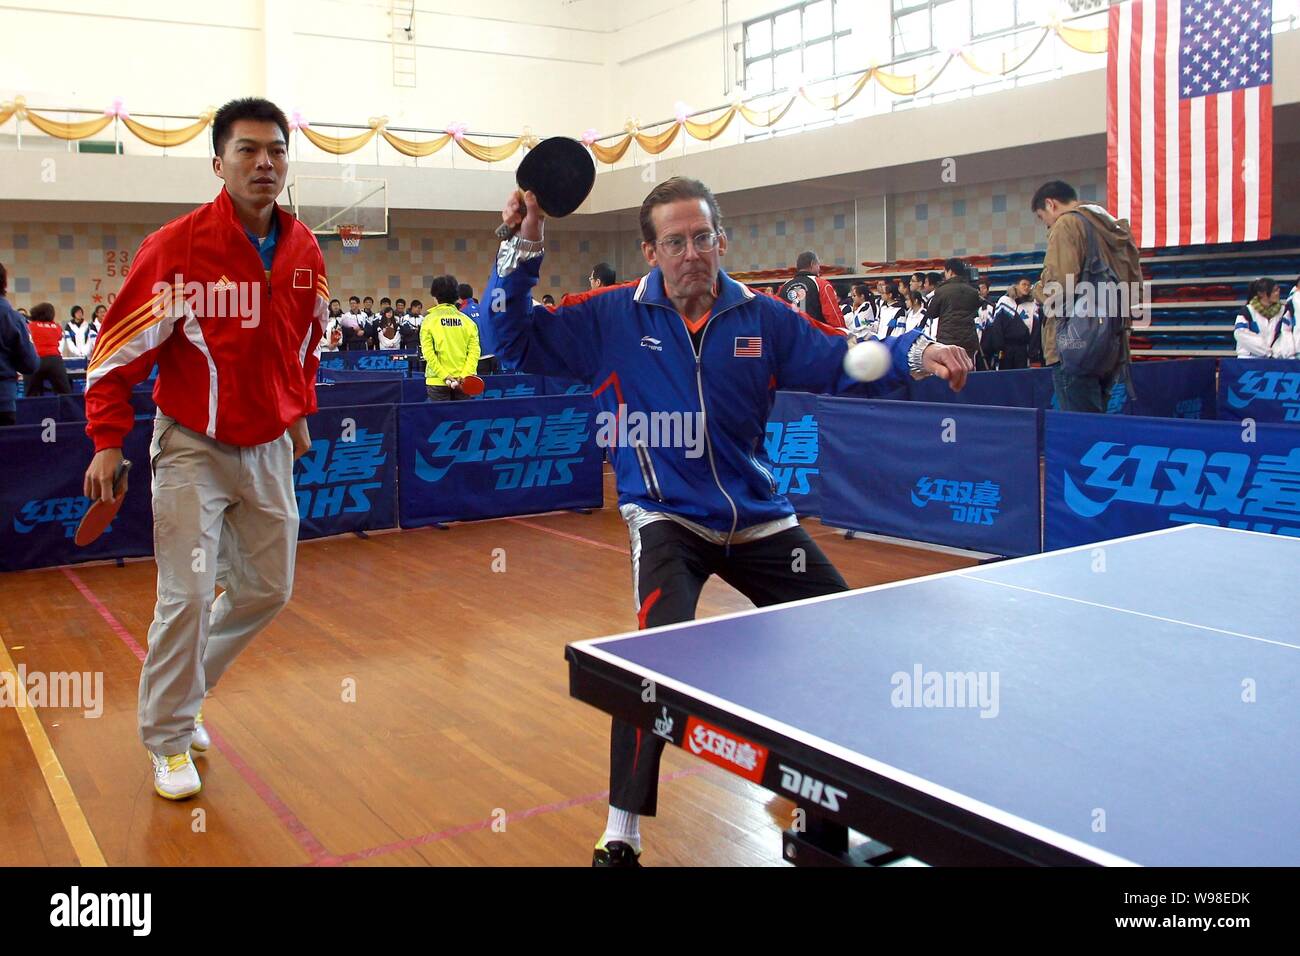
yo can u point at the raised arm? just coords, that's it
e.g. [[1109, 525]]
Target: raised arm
[[565, 342]]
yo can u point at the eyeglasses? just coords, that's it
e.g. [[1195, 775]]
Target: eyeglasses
[[676, 246]]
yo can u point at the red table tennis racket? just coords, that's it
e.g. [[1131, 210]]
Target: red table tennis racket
[[471, 385], [560, 172], [101, 513]]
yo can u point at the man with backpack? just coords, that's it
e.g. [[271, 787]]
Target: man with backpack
[[1089, 289]]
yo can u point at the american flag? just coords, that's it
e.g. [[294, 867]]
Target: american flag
[[751, 347], [1189, 120]]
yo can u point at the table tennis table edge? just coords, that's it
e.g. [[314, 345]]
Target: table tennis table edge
[[905, 582], [903, 778]]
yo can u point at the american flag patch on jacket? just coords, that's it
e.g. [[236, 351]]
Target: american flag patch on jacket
[[751, 347]]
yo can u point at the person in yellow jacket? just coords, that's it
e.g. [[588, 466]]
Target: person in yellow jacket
[[449, 343]]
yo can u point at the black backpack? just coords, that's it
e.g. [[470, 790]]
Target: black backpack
[[1090, 330]]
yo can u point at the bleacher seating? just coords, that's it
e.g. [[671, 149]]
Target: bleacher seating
[[1196, 291]]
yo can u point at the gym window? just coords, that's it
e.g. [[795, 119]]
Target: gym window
[[808, 41]]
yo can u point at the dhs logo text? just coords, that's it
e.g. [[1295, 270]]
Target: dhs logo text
[[793, 448], [65, 511], [336, 477], [1267, 386], [970, 502], [810, 788], [530, 451]]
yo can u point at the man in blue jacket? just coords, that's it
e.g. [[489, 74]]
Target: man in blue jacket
[[17, 353], [689, 344]]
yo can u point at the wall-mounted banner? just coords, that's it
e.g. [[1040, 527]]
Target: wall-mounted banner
[[793, 448], [36, 411], [1267, 390], [348, 481], [1173, 388], [512, 386], [366, 361], [335, 394], [566, 386], [1107, 478], [1008, 388], [462, 461], [41, 471], [959, 475]]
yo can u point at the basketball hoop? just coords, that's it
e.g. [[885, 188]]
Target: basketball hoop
[[350, 236]]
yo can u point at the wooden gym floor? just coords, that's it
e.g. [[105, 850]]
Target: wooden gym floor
[[461, 717]]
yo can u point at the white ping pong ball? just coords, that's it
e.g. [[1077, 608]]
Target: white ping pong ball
[[867, 361]]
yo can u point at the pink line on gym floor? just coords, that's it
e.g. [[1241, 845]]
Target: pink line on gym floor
[[306, 839], [464, 828], [572, 537]]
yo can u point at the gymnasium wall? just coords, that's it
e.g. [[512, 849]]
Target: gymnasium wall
[[985, 218], [69, 264]]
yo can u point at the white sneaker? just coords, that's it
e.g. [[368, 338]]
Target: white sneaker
[[175, 777], [201, 740]]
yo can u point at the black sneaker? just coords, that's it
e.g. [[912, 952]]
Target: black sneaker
[[616, 853]]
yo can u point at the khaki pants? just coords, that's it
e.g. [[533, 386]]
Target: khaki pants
[[223, 515]]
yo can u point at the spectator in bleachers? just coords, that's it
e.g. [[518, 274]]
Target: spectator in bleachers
[[1292, 303], [1265, 328], [913, 317], [78, 335], [467, 303], [889, 306], [1069, 224], [1006, 341], [952, 307], [17, 353], [816, 294], [407, 326], [548, 300], [336, 309], [449, 343], [915, 282], [384, 302], [24, 314], [983, 318], [354, 325], [931, 282], [602, 276], [368, 307], [388, 337], [861, 320], [47, 337], [97, 318]]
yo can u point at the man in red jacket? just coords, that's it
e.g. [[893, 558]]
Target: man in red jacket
[[808, 292], [230, 302]]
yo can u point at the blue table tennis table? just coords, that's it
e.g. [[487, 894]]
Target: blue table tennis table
[[1131, 702]]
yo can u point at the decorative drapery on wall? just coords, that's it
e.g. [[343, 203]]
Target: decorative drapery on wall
[[609, 151]]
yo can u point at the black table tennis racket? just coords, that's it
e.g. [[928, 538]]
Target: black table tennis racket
[[560, 172]]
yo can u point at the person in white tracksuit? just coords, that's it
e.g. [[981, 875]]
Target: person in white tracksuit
[[1265, 327]]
